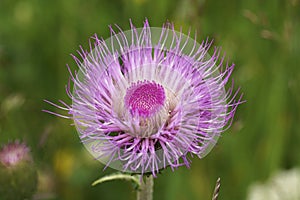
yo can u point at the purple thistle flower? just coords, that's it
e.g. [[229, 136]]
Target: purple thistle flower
[[14, 153], [17, 171], [146, 98]]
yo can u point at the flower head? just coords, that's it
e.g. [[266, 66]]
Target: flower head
[[281, 185], [14, 153], [146, 98], [17, 171]]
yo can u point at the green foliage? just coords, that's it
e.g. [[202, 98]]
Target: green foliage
[[261, 37]]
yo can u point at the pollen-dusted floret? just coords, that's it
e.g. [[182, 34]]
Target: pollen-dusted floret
[[146, 98]]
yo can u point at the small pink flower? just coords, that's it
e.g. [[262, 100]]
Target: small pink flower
[[13, 153]]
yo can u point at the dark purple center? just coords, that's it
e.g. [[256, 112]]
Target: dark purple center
[[144, 98]]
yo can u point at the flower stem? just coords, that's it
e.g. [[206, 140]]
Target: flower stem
[[146, 189], [217, 189]]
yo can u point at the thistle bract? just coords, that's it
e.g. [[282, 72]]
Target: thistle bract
[[146, 98]]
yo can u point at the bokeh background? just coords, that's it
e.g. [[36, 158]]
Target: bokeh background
[[261, 37]]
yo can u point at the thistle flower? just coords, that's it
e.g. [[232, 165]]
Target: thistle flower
[[146, 98], [17, 171], [14, 153]]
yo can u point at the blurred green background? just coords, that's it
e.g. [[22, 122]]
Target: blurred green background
[[261, 37]]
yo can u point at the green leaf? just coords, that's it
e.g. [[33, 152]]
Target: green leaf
[[117, 176]]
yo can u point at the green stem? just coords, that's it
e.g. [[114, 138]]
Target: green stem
[[146, 188]]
